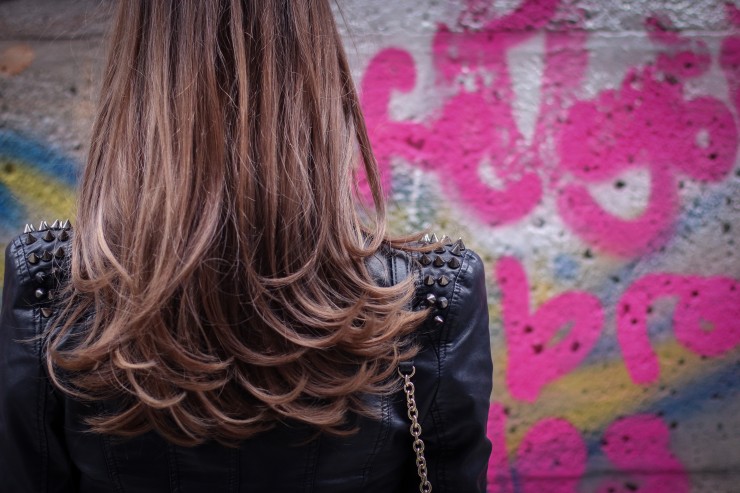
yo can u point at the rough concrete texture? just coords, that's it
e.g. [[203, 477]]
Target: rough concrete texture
[[588, 149]]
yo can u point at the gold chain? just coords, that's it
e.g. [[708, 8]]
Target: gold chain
[[421, 463]]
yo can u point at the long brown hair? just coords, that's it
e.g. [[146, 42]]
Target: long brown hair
[[218, 281]]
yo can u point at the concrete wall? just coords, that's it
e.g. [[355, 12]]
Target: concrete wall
[[588, 149]]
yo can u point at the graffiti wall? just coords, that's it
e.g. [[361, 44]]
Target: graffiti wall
[[587, 149]]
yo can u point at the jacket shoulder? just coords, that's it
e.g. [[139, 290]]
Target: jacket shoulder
[[445, 272], [36, 263]]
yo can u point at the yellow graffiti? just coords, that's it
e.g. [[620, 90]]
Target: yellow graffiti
[[594, 395], [38, 192]]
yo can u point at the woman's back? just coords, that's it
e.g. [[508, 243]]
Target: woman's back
[[47, 446]]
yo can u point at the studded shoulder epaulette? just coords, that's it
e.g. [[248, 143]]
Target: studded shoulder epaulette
[[46, 251], [439, 268]]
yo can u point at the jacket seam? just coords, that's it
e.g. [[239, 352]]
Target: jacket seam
[[234, 477], [436, 410], [174, 470], [379, 438], [24, 275], [110, 460]]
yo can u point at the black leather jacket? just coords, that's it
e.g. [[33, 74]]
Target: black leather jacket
[[44, 445]]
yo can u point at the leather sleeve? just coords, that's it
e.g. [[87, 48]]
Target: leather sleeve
[[33, 456], [457, 448]]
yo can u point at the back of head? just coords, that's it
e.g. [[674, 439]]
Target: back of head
[[219, 255]]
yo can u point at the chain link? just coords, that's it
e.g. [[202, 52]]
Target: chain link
[[421, 463]]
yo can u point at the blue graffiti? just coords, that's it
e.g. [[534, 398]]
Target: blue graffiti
[[14, 147]]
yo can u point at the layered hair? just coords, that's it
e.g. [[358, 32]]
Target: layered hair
[[218, 282]]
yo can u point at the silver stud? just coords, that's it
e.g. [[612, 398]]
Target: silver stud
[[438, 261], [434, 238], [40, 293], [63, 236], [48, 236], [431, 299], [59, 253], [46, 256], [43, 226], [454, 263], [457, 249], [40, 277], [440, 249], [46, 312], [66, 225], [442, 302], [30, 239], [462, 245], [29, 228], [425, 260], [446, 240], [439, 319], [429, 280], [56, 224], [33, 258], [443, 281], [425, 238]]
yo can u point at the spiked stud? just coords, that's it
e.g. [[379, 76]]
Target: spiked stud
[[33, 258], [440, 249], [439, 319], [48, 236], [438, 261], [66, 225], [442, 302], [425, 238], [457, 249], [40, 293], [56, 224], [63, 236], [425, 260], [46, 256], [434, 238], [446, 240], [29, 229], [443, 280], [30, 239], [43, 226], [41, 277], [59, 253], [429, 280], [431, 299], [453, 263], [51, 295], [47, 312]]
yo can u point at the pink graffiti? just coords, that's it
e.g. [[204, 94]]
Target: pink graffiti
[[640, 445], [704, 320], [533, 359], [499, 472], [476, 126], [553, 456], [647, 124]]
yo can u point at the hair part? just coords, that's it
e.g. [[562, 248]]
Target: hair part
[[218, 281]]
